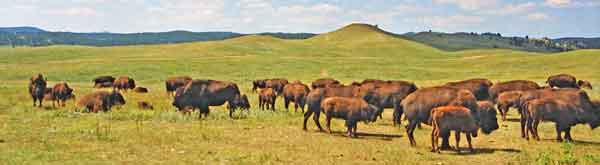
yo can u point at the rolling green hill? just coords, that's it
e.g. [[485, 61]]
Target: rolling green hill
[[128, 135]]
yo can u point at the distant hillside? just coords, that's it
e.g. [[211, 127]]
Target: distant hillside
[[463, 41], [24, 29], [581, 43]]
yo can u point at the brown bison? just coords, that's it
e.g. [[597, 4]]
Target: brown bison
[[172, 83], [479, 87], [295, 92], [276, 83], [101, 100], [563, 113], [389, 95], [49, 96], [314, 98], [452, 118], [352, 110], [506, 100], [145, 105], [62, 92], [266, 98], [324, 82], [37, 88], [124, 83], [567, 81], [514, 85], [204, 93], [418, 105], [242, 102], [103, 81], [140, 90]]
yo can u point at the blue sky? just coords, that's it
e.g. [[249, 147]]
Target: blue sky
[[536, 18]]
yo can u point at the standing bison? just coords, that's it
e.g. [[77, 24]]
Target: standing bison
[[295, 92], [124, 83], [103, 81], [324, 82], [388, 95], [567, 81], [37, 89], [101, 100], [352, 110], [276, 83], [314, 98], [172, 83], [479, 87], [202, 94], [266, 99], [61, 92], [514, 85], [506, 100], [452, 118]]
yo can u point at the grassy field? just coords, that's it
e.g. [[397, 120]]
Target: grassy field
[[128, 135]]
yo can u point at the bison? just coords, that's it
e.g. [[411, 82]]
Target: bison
[[567, 81], [514, 85], [324, 82], [276, 83], [266, 98], [62, 92], [506, 100], [563, 113], [103, 81], [479, 87], [452, 118], [37, 88], [140, 90], [295, 92], [352, 110], [101, 100], [417, 107], [124, 83], [172, 83], [314, 98], [389, 95], [204, 93], [145, 105]]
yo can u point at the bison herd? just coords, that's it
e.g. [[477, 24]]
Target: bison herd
[[463, 106]]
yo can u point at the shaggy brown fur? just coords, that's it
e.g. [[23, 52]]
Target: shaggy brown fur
[[276, 83], [515, 85], [479, 87], [172, 83], [506, 100], [389, 95], [61, 92], [266, 98], [295, 92], [103, 81], [352, 110], [567, 81], [324, 82], [37, 88], [101, 100], [124, 83], [145, 105], [315, 97], [452, 118], [204, 93]]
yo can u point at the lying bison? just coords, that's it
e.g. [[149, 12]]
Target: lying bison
[[418, 105], [103, 81], [37, 88], [145, 105], [266, 98], [101, 100], [295, 92], [140, 90], [204, 93], [514, 85], [567, 81], [314, 98], [324, 82], [352, 110], [479, 87], [172, 83], [124, 83], [563, 113], [452, 118]]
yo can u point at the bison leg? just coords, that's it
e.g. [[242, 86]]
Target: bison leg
[[40, 100], [295, 106], [397, 116], [536, 123], [286, 103], [328, 123], [316, 119], [523, 122], [355, 125], [558, 131], [529, 127], [434, 138], [457, 138], [445, 140], [273, 104], [410, 129], [469, 141], [568, 134], [503, 110]]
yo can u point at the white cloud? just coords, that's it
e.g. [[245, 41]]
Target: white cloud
[[512, 9], [571, 3], [538, 17], [453, 21], [558, 3], [77, 12], [469, 4]]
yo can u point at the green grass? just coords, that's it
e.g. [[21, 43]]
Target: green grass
[[129, 136]]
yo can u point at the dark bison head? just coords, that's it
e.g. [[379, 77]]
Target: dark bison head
[[258, 84], [244, 102], [178, 98], [116, 98], [487, 120], [584, 84]]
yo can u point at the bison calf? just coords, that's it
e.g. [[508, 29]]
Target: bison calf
[[145, 105], [452, 118], [140, 90], [295, 92], [101, 100], [506, 100], [266, 98], [352, 110]]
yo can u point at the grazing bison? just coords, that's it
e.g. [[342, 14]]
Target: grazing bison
[[145, 105], [563, 113], [61, 92], [506, 100], [243, 102], [140, 90], [276, 83], [103, 81], [314, 98], [266, 98], [101, 100], [324, 82], [417, 106], [452, 118], [37, 88], [204, 93], [514, 85], [567, 81], [172, 83], [389, 95], [124, 83], [295, 92], [352, 110], [479, 87]]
